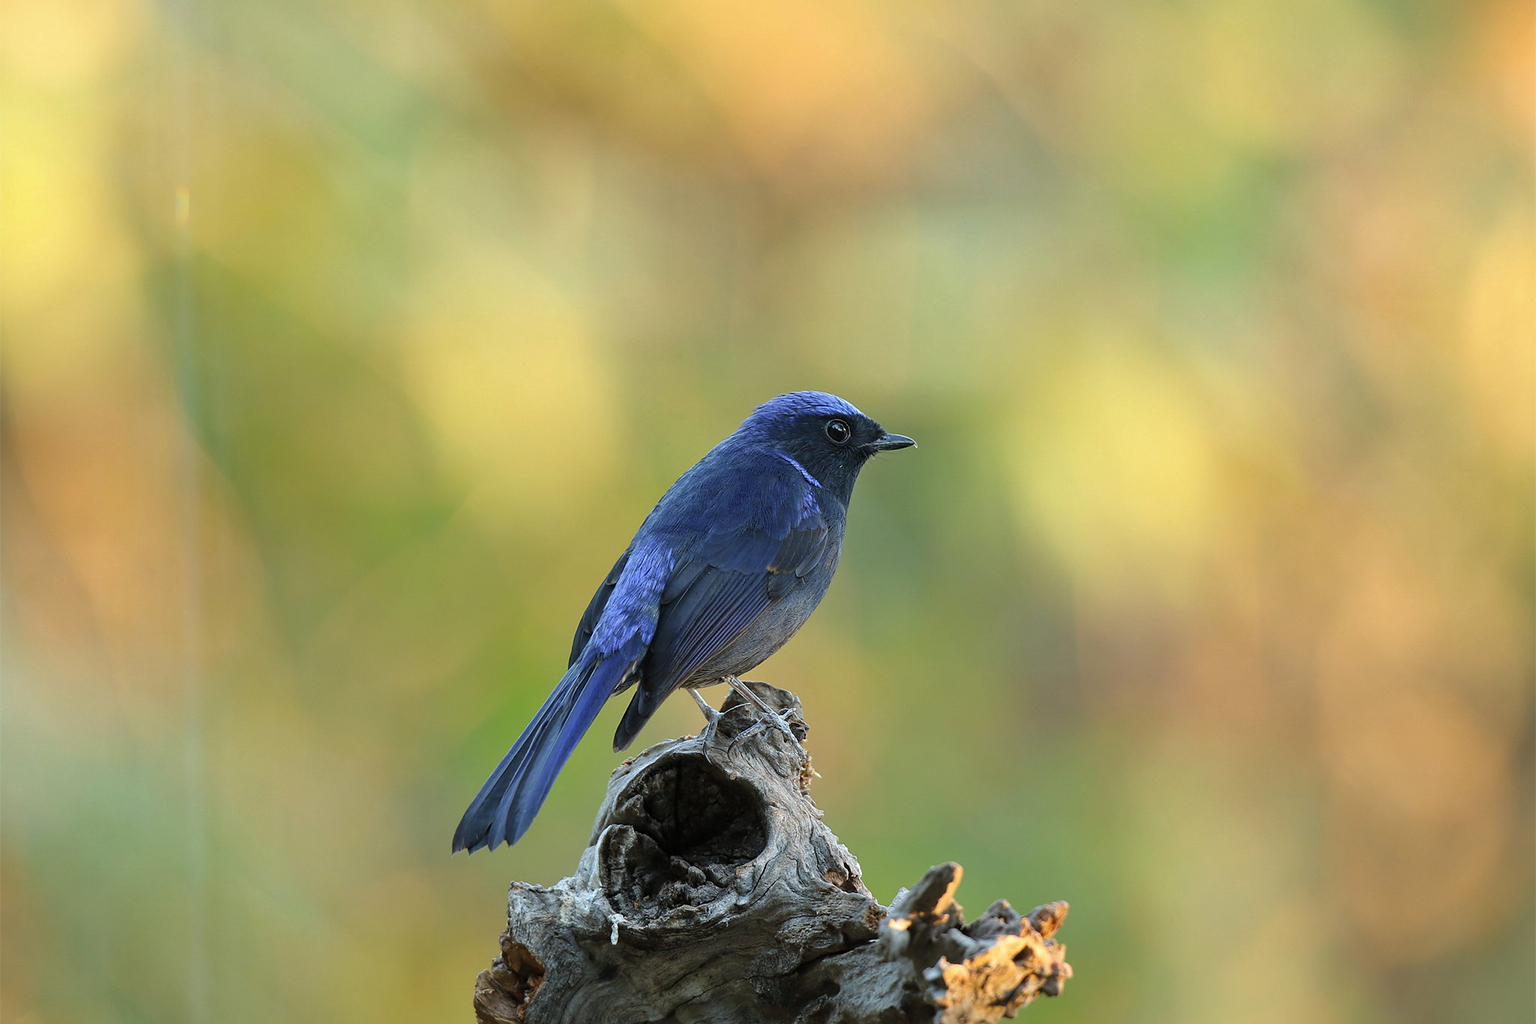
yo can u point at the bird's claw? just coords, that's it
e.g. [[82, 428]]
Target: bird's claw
[[766, 715], [761, 723]]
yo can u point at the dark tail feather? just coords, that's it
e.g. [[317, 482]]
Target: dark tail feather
[[641, 707], [504, 808]]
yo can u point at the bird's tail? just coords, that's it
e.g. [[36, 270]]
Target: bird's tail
[[506, 804]]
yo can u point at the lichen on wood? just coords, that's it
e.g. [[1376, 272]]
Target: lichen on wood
[[713, 891]]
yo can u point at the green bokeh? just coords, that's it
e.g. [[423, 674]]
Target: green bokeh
[[346, 345]]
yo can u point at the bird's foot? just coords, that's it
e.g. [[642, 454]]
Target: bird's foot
[[767, 715], [756, 727]]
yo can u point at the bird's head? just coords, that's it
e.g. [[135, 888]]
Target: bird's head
[[826, 437]]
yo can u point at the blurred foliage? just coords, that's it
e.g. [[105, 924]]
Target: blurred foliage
[[347, 343]]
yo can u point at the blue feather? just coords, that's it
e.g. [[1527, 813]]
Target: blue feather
[[727, 566], [506, 805]]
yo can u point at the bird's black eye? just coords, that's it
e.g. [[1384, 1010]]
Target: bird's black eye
[[839, 431]]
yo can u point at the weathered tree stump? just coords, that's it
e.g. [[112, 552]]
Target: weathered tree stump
[[712, 891]]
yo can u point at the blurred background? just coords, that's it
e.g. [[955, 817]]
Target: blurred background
[[347, 343]]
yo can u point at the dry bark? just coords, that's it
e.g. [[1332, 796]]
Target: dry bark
[[712, 891]]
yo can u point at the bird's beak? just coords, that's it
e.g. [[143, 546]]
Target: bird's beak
[[891, 442]]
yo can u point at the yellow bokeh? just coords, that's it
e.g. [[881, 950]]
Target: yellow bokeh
[[343, 346]]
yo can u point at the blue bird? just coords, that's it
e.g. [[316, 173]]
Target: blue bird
[[726, 568]]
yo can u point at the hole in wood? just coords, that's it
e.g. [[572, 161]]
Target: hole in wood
[[692, 829], [694, 812]]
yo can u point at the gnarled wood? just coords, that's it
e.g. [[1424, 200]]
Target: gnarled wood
[[712, 891]]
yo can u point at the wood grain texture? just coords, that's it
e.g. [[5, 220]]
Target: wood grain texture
[[712, 891]]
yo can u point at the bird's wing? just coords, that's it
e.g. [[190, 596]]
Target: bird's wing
[[595, 608], [719, 593], [727, 580]]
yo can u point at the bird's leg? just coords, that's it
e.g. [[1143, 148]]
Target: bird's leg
[[711, 719], [774, 717], [711, 716]]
